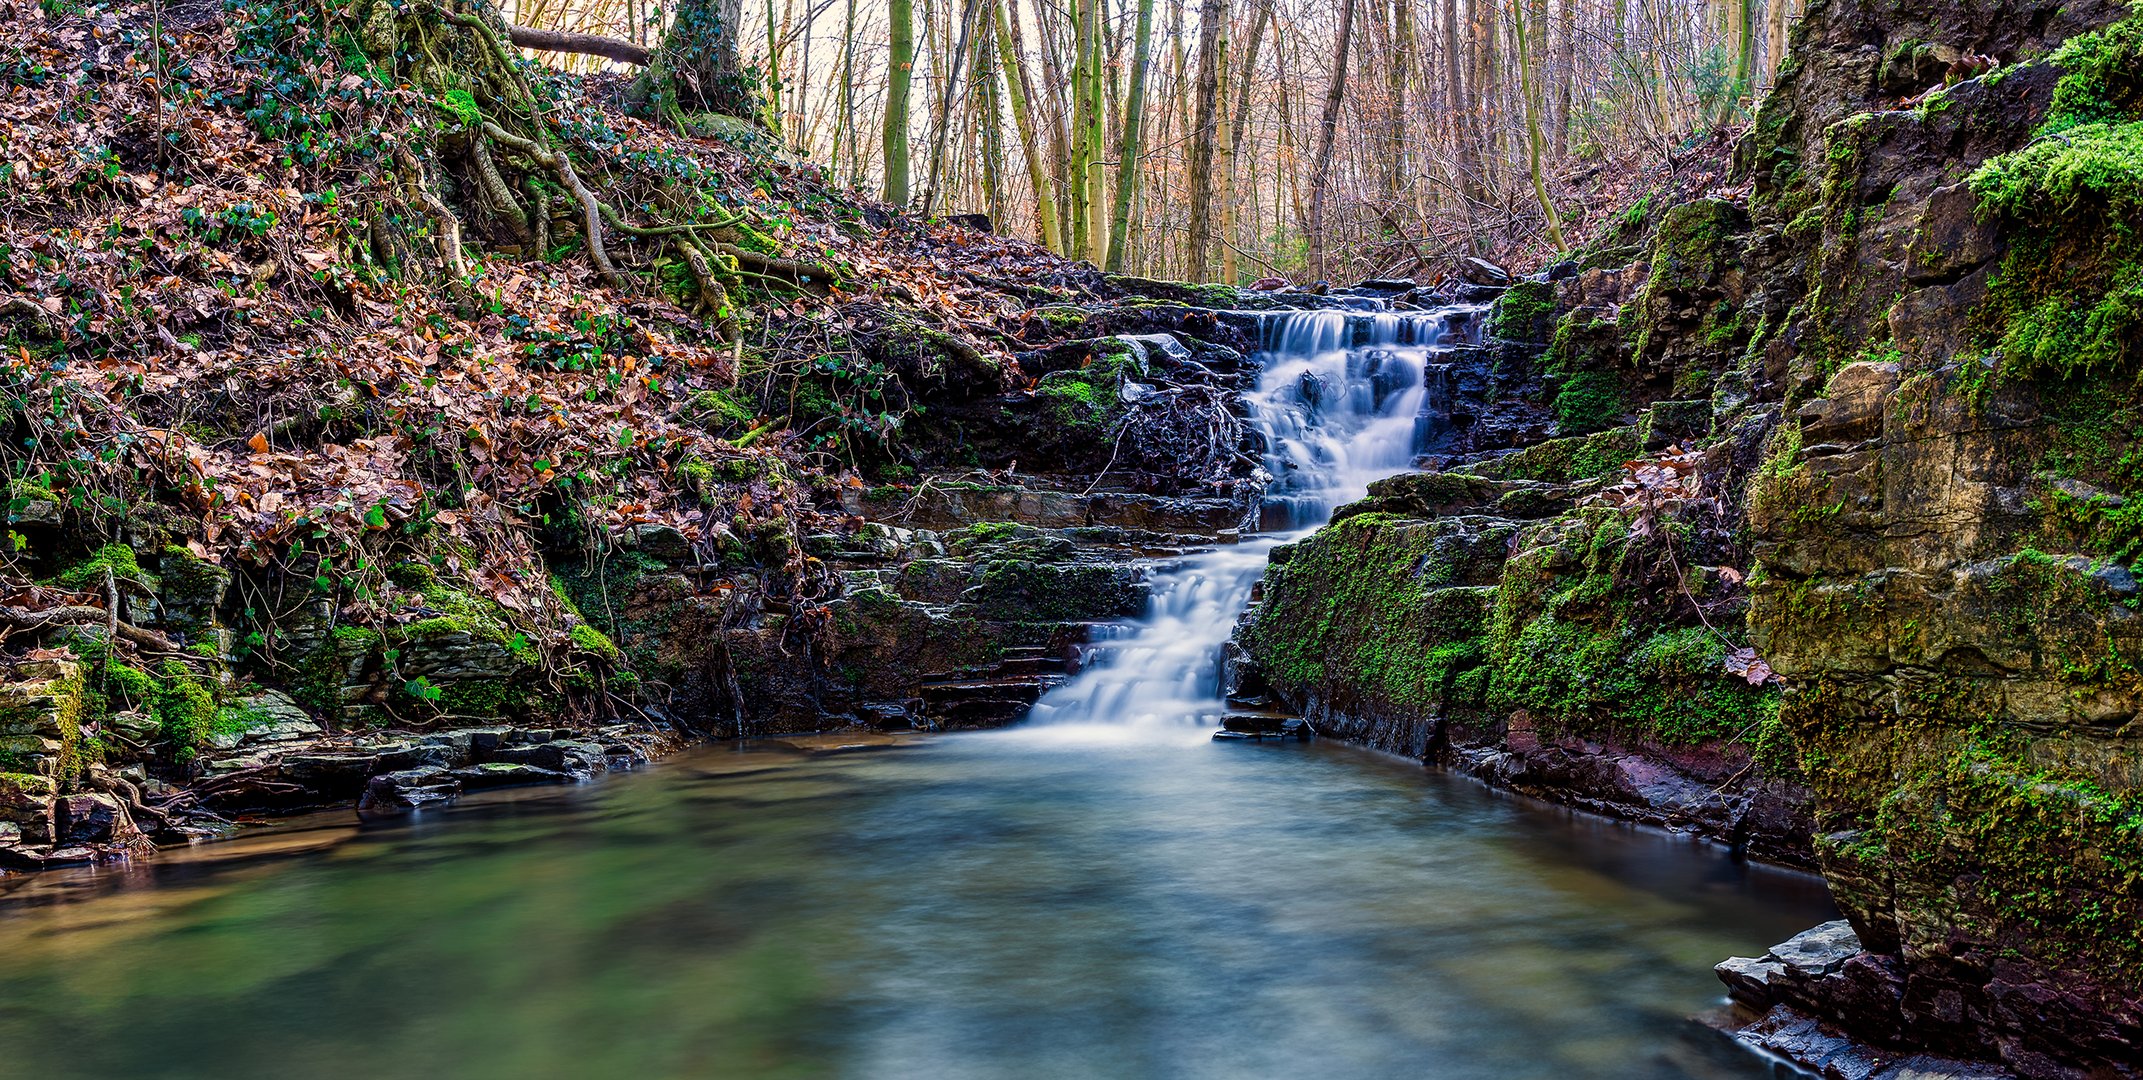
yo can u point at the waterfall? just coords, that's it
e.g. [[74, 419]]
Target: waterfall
[[1343, 399]]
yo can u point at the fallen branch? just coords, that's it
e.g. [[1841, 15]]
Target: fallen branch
[[609, 48], [24, 619]]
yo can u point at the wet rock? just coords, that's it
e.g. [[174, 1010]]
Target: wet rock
[[492, 774], [1830, 1053], [1482, 272], [330, 776], [1820, 951], [26, 805], [92, 818], [408, 789], [457, 656], [571, 757], [190, 590], [1748, 979]]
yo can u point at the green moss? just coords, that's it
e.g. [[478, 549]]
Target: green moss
[[1355, 612], [413, 574], [1564, 460], [2102, 76], [1698, 243], [185, 710], [1525, 312], [588, 639], [116, 559], [488, 698], [29, 784], [2046, 851], [322, 672], [2068, 300], [1087, 400], [1588, 402], [459, 612], [189, 580], [1380, 614], [720, 410]]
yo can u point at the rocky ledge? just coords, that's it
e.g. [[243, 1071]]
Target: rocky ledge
[[1788, 1001]]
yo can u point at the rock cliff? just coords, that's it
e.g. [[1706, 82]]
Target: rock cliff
[[1877, 606]]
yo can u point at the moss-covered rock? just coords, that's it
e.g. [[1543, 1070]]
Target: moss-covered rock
[[1525, 312], [42, 704]]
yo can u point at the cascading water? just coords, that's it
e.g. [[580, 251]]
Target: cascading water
[[1340, 403]]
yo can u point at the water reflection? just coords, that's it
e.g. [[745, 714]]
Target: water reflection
[[995, 905]]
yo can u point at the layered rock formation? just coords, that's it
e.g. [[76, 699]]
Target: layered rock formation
[[1911, 498]]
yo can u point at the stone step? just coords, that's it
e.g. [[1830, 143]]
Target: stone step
[[1021, 666], [1260, 725], [1025, 690], [980, 712]]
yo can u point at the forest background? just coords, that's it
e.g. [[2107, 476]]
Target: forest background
[[1234, 140]]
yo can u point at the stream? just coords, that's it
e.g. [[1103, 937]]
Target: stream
[[1102, 892], [1119, 903]]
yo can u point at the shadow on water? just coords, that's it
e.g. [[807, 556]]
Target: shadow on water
[[1020, 903]]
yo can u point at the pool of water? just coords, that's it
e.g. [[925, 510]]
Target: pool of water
[[1048, 902]]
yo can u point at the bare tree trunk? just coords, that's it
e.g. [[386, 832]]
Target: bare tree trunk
[[1083, 107], [1564, 75], [1529, 89], [1052, 104], [1740, 40], [1212, 17], [1782, 14], [1130, 153], [1016, 88], [901, 55], [1322, 164], [696, 69], [845, 124], [991, 122], [943, 128], [1232, 145], [1094, 192], [1398, 166]]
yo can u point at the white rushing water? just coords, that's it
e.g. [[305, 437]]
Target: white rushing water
[[1340, 403]]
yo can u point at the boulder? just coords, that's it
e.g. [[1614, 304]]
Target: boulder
[[274, 718], [492, 774], [408, 789], [92, 818]]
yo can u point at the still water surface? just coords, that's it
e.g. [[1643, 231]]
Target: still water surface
[[1039, 903]]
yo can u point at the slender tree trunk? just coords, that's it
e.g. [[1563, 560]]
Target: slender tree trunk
[[1529, 89], [1398, 166], [1224, 146], [991, 122], [1457, 109], [1246, 65], [943, 126], [1094, 193], [845, 124], [1130, 153], [1053, 105], [1565, 75], [1212, 18], [1016, 89], [900, 17], [1081, 153], [1322, 165]]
